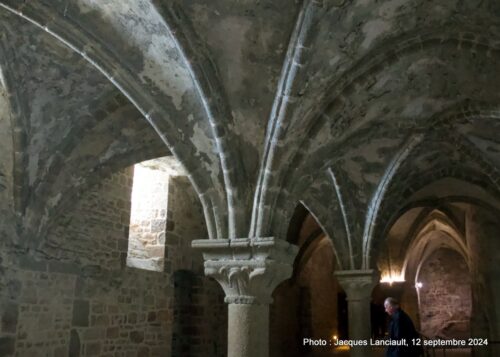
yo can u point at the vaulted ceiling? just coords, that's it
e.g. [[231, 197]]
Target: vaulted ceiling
[[346, 106]]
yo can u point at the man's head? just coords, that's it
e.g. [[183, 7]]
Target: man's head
[[391, 305]]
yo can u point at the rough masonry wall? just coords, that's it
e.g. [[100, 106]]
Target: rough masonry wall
[[74, 294], [77, 297], [200, 314], [482, 235], [200, 327], [307, 306], [286, 320], [185, 223], [445, 295], [317, 277]]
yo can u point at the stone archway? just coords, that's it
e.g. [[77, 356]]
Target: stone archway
[[436, 265]]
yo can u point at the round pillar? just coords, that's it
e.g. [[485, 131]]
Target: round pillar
[[248, 330], [358, 286], [248, 271]]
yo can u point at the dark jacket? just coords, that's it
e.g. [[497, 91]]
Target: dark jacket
[[401, 327]]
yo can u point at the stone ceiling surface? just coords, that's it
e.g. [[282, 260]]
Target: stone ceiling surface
[[346, 106]]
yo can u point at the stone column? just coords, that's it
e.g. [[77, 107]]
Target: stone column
[[358, 286], [248, 271]]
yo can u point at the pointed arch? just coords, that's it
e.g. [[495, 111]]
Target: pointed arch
[[424, 242], [341, 259], [374, 207], [156, 112]]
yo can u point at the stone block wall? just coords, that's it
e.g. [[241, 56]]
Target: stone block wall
[[131, 317], [43, 313], [94, 235], [483, 231], [74, 295], [197, 315], [184, 219], [306, 305], [445, 295], [200, 316]]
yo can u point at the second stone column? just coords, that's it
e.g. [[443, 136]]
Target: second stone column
[[358, 286]]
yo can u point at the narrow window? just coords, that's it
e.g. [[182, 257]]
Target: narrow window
[[148, 217]]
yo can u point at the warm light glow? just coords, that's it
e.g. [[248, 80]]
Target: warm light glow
[[148, 216], [335, 337], [389, 278], [343, 348], [148, 184], [418, 285]]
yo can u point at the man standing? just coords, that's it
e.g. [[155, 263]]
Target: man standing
[[401, 327]]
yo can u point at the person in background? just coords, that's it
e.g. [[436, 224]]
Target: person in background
[[401, 327]]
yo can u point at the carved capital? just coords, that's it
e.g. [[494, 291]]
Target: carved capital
[[248, 269], [358, 284]]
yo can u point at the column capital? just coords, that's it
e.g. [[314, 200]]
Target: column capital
[[358, 284], [248, 269]]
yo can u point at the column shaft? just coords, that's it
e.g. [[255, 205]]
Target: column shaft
[[248, 330], [359, 319], [358, 285]]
